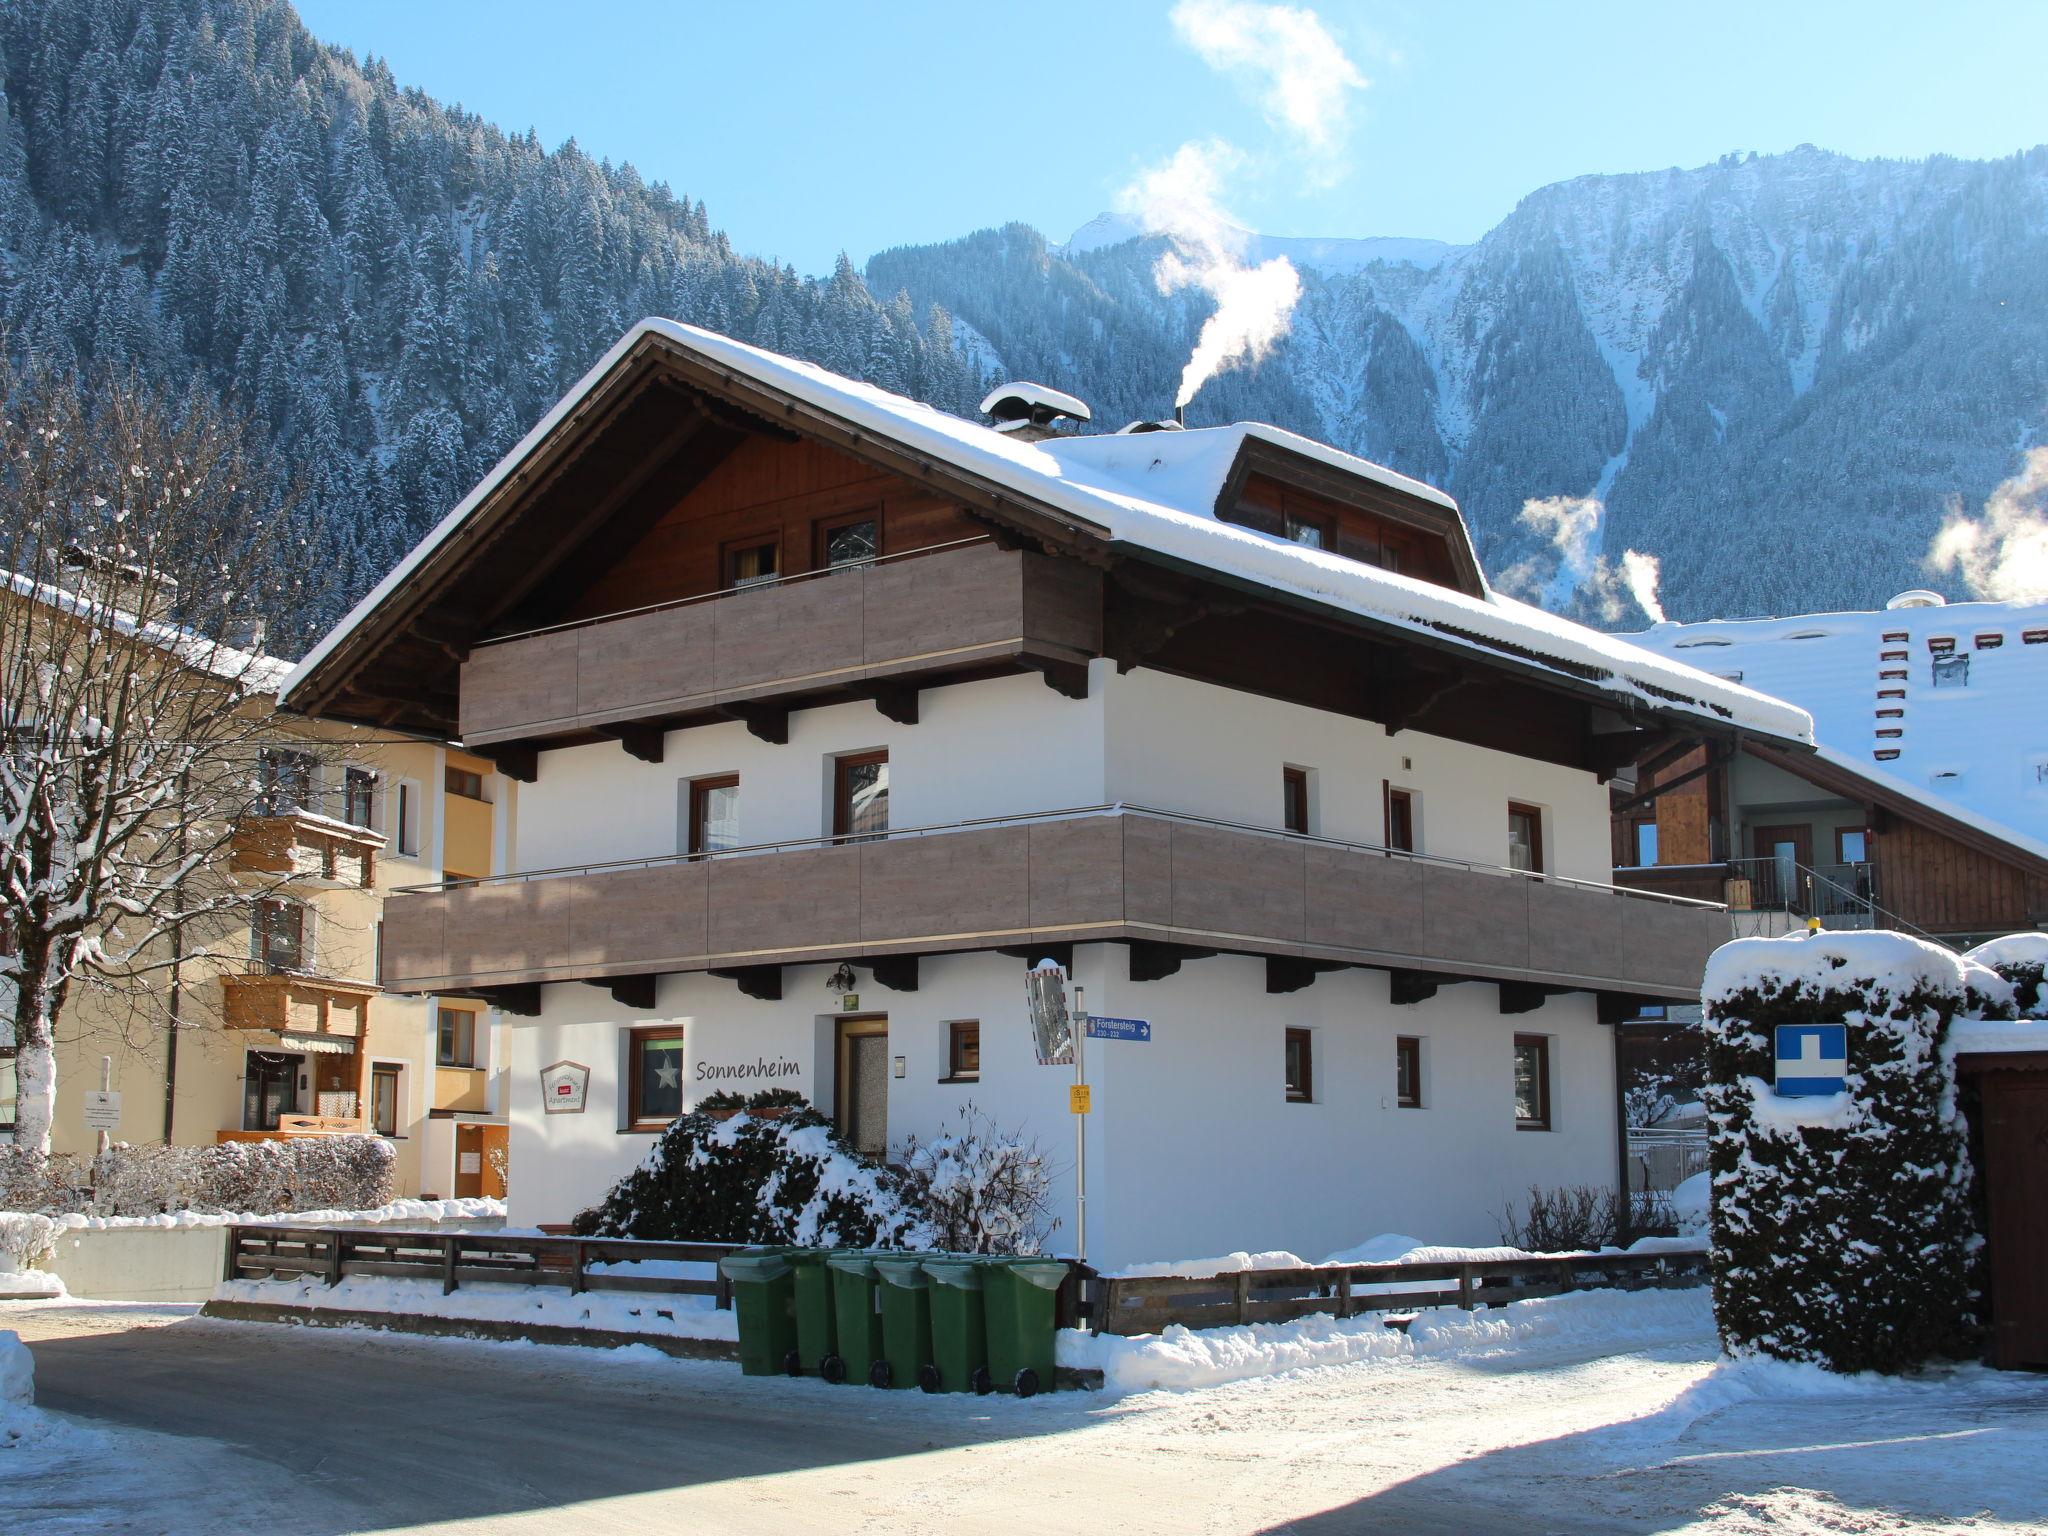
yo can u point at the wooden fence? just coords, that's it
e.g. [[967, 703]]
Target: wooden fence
[[577, 1263], [1146, 1304], [1108, 1303]]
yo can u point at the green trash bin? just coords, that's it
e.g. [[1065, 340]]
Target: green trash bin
[[856, 1316], [811, 1284], [959, 1343], [906, 1320], [764, 1296], [1018, 1296]]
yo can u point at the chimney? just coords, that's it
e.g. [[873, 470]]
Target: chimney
[[1029, 411]]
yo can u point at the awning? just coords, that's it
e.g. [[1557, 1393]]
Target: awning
[[317, 1044]]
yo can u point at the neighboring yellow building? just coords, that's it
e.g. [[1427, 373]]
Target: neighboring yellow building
[[299, 1040]]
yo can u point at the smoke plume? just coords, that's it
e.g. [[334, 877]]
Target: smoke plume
[[2002, 555], [1300, 77], [1572, 575]]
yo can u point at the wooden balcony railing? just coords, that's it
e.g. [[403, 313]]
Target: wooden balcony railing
[[296, 1002], [1103, 873], [918, 618], [309, 847]]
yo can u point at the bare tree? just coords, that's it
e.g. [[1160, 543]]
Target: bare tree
[[136, 538]]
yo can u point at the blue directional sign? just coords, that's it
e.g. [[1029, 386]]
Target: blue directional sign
[[1100, 1028], [1812, 1059]]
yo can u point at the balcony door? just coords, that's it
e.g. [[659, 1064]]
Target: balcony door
[[1781, 852], [269, 1089], [862, 1100]]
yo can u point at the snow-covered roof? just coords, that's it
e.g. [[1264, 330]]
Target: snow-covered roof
[[1157, 492], [253, 672], [1976, 750]]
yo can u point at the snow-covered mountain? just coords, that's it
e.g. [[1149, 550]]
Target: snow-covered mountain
[[1758, 364]]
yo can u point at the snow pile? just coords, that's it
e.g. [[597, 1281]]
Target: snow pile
[[1182, 1358], [2021, 961], [789, 1178], [1690, 1202], [669, 1316], [17, 1372], [392, 1213], [1842, 1224], [25, 1242], [1387, 1248]]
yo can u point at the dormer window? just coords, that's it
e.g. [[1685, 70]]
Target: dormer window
[[750, 562], [1951, 671], [1312, 532]]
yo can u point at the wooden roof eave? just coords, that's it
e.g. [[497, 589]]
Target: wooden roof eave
[[1851, 785]]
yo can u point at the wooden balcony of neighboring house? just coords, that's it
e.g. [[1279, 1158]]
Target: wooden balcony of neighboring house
[[295, 1127], [321, 1012], [880, 630], [1170, 886], [307, 848]]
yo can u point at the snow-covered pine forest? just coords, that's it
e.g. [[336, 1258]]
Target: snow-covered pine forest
[[1755, 364]]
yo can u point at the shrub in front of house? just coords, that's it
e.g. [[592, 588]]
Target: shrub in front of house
[[262, 1178], [983, 1190], [1842, 1225], [790, 1178]]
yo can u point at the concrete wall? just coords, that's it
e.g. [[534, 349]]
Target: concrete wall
[[1193, 1148]]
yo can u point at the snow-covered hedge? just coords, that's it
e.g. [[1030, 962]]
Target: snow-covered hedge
[[1842, 1225], [982, 1189], [755, 1179], [306, 1173], [2021, 960]]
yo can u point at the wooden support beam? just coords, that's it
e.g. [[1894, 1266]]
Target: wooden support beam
[[523, 999], [1285, 973], [1060, 954], [1407, 988], [1715, 758], [515, 761], [1402, 704], [896, 701], [896, 972], [761, 982], [769, 722], [1063, 677], [1620, 1007], [1153, 961], [646, 742], [635, 992], [1525, 996]]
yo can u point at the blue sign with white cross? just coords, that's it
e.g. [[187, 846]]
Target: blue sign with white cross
[[1813, 1059], [1100, 1028]]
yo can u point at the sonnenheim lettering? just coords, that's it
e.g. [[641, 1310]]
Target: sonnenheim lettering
[[708, 1072]]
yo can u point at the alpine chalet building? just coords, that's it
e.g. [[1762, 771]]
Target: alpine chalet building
[[822, 715]]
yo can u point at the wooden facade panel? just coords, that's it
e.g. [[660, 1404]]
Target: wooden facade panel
[[1934, 882], [639, 914], [1668, 945], [775, 902], [1476, 916], [1148, 871], [507, 686], [790, 631], [1363, 901], [1234, 882], [1077, 872], [668, 654], [1063, 603], [495, 929], [959, 883], [1576, 931], [414, 943], [962, 597]]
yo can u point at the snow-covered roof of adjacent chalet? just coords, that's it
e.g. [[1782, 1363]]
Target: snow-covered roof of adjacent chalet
[[250, 671], [1156, 492], [1977, 751]]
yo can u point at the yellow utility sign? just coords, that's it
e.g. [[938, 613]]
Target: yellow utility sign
[[1077, 1098]]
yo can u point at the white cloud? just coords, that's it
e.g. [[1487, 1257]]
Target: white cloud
[[2003, 554], [1286, 60]]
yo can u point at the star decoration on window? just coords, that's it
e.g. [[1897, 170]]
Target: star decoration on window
[[667, 1075]]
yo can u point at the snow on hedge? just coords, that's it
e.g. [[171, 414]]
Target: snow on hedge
[[392, 1213], [1183, 1358], [305, 1173], [1842, 1225]]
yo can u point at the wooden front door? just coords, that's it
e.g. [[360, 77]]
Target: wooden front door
[[469, 1160], [861, 1102], [1781, 852], [2015, 1174]]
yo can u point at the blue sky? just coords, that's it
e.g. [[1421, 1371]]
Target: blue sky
[[811, 127]]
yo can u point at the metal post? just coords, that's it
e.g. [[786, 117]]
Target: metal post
[[106, 1086], [1080, 1032]]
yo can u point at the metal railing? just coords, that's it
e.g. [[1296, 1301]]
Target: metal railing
[[762, 584], [1072, 813], [1662, 1158]]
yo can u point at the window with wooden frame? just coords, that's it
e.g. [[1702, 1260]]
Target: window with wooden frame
[[1639, 841], [384, 1099], [465, 782], [860, 795], [1400, 818], [359, 797], [454, 1037], [1301, 1066], [285, 781], [714, 812], [654, 1072], [1299, 528], [405, 818], [1525, 837], [963, 1051], [1294, 800], [1532, 1082], [1852, 845], [277, 937], [1408, 1071], [855, 539], [749, 562]]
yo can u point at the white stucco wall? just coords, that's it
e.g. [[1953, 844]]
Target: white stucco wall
[[1193, 1147]]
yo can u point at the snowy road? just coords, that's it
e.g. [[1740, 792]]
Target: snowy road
[[168, 1423]]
